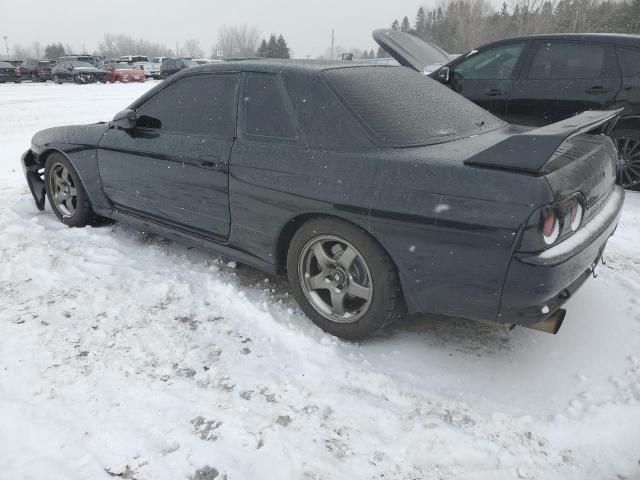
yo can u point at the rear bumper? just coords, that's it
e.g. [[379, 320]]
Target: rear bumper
[[537, 286]]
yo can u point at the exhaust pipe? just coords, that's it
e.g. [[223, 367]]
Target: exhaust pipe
[[551, 324]]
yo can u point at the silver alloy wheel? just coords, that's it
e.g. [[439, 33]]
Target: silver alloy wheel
[[63, 190], [335, 279], [628, 161]]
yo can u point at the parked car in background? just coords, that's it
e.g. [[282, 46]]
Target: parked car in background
[[9, 73], [374, 188], [150, 69], [36, 69], [15, 62], [78, 72], [80, 58], [157, 62], [123, 72], [543, 79], [171, 66]]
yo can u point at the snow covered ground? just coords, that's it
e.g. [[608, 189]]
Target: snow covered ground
[[124, 355]]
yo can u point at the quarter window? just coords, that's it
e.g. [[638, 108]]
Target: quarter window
[[558, 60], [202, 105], [266, 114], [494, 64], [629, 61]]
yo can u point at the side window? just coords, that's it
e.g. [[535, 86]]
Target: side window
[[629, 59], [497, 63], [204, 105], [266, 114], [563, 60]]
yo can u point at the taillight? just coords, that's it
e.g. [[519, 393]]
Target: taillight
[[553, 223], [576, 214], [550, 227]]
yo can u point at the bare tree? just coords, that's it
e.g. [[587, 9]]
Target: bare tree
[[192, 48], [20, 52], [238, 41], [37, 49]]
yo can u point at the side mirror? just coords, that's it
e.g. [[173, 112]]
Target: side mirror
[[443, 75], [125, 120]]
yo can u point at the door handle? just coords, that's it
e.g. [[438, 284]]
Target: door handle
[[597, 90], [495, 92]]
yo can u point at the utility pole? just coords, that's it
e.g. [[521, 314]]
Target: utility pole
[[333, 42], [6, 45], [177, 50]]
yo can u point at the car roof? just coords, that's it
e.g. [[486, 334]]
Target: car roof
[[268, 65], [618, 38]]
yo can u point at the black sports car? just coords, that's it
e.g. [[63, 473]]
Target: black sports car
[[372, 187], [78, 72]]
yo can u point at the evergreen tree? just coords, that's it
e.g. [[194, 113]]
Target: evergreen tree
[[421, 23], [372, 54], [282, 48], [54, 51], [263, 49], [406, 26], [272, 46], [395, 25]]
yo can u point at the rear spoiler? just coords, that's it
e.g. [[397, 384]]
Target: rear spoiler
[[530, 151]]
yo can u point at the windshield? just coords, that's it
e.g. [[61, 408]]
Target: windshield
[[403, 108], [124, 66], [6, 65], [188, 63]]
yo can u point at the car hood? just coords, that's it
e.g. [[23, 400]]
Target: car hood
[[410, 50], [77, 135]]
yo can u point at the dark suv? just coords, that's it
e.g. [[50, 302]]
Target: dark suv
[[542, 79], [36, 69], [170, 66]]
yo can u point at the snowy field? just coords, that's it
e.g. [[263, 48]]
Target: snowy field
[[124, 355]]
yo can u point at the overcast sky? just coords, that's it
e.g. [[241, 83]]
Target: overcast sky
[[306, 24]]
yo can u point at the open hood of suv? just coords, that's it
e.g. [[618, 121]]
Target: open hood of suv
[[409, 50]]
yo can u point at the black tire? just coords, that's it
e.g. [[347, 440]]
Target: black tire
[[385, 303], [82, 213], [628, 161]]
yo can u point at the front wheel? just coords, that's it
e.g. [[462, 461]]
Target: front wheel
[[67, 196], [628, 143], [342, 279]]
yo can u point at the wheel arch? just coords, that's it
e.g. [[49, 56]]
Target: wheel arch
[[294, 224], [85, 165]]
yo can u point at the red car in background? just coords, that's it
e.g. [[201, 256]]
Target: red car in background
[[123, 72]]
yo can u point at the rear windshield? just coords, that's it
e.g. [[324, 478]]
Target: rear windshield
[[6, 65], [403, 108]]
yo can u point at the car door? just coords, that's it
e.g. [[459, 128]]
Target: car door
[[487, 77], [562, 78], [173, 167]]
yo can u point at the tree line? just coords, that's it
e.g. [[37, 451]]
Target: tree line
[[233, 41], [460, 25]]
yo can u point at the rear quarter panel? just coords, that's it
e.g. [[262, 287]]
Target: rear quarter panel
[[450, 228]]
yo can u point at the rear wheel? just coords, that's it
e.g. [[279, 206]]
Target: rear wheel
[[628, 143], [67, 196], [57, 80], [342, 279]]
